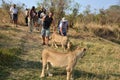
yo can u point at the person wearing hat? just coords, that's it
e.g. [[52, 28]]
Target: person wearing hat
[[63, 27]]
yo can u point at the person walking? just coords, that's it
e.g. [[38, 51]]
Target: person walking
[[26, 16], [41, 13], [14, 12], [45, 32], [32, 14], [63, 27]]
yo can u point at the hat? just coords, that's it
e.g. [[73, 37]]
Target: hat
[[42, 14], [63, 19]]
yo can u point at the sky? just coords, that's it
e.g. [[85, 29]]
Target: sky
[[97, 4], [94, 4]]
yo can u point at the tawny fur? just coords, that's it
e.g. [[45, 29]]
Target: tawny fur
[[58, 59], [62, 40]]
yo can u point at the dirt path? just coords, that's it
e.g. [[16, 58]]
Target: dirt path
[[28, 61]]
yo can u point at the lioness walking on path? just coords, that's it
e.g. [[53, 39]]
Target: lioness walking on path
[[61, 40], [58, 59]]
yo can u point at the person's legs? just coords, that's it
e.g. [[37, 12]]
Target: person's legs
[[26, 20], [47, 36], [31, 25], [35, 25], [15, 19], [39, 24], [11, 18], [15, 23], [43, 35], [47, 40]]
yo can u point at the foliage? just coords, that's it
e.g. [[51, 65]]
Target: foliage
[[57, 6], [108, 16], [73, 16]]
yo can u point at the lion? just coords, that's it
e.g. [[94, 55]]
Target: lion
[[59, 59], [62, 40]]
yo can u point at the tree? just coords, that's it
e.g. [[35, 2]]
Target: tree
[[73, 16], [113, 14], [87, 14], [57, 6]]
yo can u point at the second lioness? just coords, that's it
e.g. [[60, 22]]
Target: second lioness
[[62, 40]]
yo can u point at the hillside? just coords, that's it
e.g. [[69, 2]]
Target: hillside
[[20, 54]]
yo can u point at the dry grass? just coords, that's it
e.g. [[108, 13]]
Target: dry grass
[[101, 61], [109, 32], [5, 17], [20, 52]]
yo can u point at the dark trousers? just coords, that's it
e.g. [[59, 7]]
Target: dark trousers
[[64, 34], [26, 20]]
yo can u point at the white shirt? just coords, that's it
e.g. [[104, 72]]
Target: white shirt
[[63, 26], [11, 9], [14, 10], [26, 12]]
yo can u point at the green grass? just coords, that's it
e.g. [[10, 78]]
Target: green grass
[[20, 54]]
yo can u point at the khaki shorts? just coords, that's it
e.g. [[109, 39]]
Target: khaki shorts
[[45, 32]]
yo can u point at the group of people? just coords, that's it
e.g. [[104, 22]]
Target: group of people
[[34, 18], [44, 20], [41, 19]]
